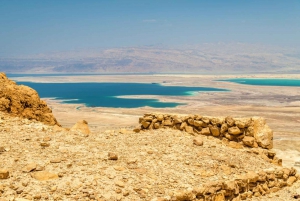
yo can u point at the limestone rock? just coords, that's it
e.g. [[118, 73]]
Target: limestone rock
[[215, 131], [224, 128], [4, 174], [112, 156], [230, 121], [198, 141], [24, 102], [205, 131], [82, 127], [189, 129], [291, 180], [145, 124], [167, 122], [30, 167], [234, 130], [249, 141], [262, 133], [182, 195], [235, 145], [136, 130], [198, 123], [44, 175]]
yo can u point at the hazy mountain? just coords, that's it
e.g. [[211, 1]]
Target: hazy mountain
[[207, 58]]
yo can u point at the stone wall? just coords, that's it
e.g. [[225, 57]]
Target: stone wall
[[243, 187], [249, 132]]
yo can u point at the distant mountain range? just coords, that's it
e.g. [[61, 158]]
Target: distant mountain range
[[206, 59]]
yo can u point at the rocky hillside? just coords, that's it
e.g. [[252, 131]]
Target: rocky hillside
[[24, 102], [40, 162]]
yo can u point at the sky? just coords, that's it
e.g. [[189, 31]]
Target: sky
[[40, 26]]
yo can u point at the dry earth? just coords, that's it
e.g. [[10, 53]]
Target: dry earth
[[52, 163]]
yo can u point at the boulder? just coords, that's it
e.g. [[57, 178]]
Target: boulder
[[82, 127], [262, 133], [23, 101]]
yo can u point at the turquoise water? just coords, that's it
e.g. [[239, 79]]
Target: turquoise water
[[105, 94], [266, 82]]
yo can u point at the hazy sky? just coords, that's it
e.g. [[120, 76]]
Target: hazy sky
[[34, 26]]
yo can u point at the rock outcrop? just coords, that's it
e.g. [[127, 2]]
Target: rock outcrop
[[24, 102]]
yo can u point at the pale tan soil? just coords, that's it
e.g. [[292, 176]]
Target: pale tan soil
[[150, 164]]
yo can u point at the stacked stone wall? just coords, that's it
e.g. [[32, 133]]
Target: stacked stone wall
[[243, 187], [249, 132]]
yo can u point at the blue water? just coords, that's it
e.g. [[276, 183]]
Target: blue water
[[104, 94], [266, 82]]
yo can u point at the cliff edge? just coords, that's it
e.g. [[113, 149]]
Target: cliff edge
[[24, 102]]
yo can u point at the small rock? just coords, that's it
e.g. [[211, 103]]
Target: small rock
[[45, 144], [125, 193], [112, 156], [55, 160], [119, 168], [30, 167], [120, 183], [44, 175], [47, 139], [123, 131], [4, 173], [235, 145], [136, 130], [198, 141]]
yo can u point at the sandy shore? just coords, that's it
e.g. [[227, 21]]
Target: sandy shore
[[279, 105]]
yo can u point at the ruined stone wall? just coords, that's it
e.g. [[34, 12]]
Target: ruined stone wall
[[242, 187], [249, 132]]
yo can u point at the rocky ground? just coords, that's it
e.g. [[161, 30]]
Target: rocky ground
[[52, 163]]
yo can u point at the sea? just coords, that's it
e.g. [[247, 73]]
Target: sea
[[110, 94], [266, 81]]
